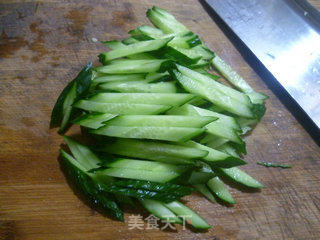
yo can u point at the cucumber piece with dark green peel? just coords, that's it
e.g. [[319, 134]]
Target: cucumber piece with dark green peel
[[157, 151], [174, 134], [77, 88], [119, 78], [139, 87], [215, 158], [159, 121], [182, 56], [158, 77], [126, 66], [172, 99], [220, 190], [214, 96], [93, 120], [129, 40], [139, 47], [159, 210], [121, 108], [240, 176], [203, 189], [90, 189], [213, 141], [191, 217]]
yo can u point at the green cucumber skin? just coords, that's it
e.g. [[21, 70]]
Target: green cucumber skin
[[80, 86], [220, 190]]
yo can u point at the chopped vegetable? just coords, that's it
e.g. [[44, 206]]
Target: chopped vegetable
[[159, 123], [275, 165]]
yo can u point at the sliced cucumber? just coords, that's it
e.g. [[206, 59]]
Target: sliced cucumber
[[216, 97], [202, 188], [213, 141], [173, 99], [235, 79], [191, 110], [62, 110], [139, 47], [215, 157], [214, 85], [192, 218], [93, 120], [160, 121], [142, 170], [125, 66], [129, 41], [220, 190], [175, 134], [158, 77], [157, 151], [82, 154], [113, 44], [140, 87], [121, 108], [159, 210], [202, 175], [241, 177], [116, 78], [167, 25]]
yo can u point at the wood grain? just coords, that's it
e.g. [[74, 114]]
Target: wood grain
[[43, 45]]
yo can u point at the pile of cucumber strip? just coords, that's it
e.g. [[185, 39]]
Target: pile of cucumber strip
[[160, 125]]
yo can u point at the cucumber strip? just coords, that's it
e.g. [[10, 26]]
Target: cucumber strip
[[192, 218], [152, 32], [202, 188], [159, 210], [152, 149], [90, 188], [126, 66], [201, 176], [213, 141], [220, 190], [121, 108], [161, 21], [129, 41], [205, 72], [141, 56], [113, 44], [140, 174], [214, 96], [191, 110], [175, 134], [199, 50], [156, 151], [82, 154], [235, 79], [62, 110], [173, 99], [215, 157], [160, 121], [202, 63], [144, 165], [139, 47], [180, 55], [116, 78], [208, 82], [140, 87], [228, 149], [241, 177], [158, 77], [93, 120]]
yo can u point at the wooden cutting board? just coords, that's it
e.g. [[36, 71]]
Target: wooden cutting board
[[42, 47]]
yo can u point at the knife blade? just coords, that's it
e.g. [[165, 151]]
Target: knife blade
[[285, 39]]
